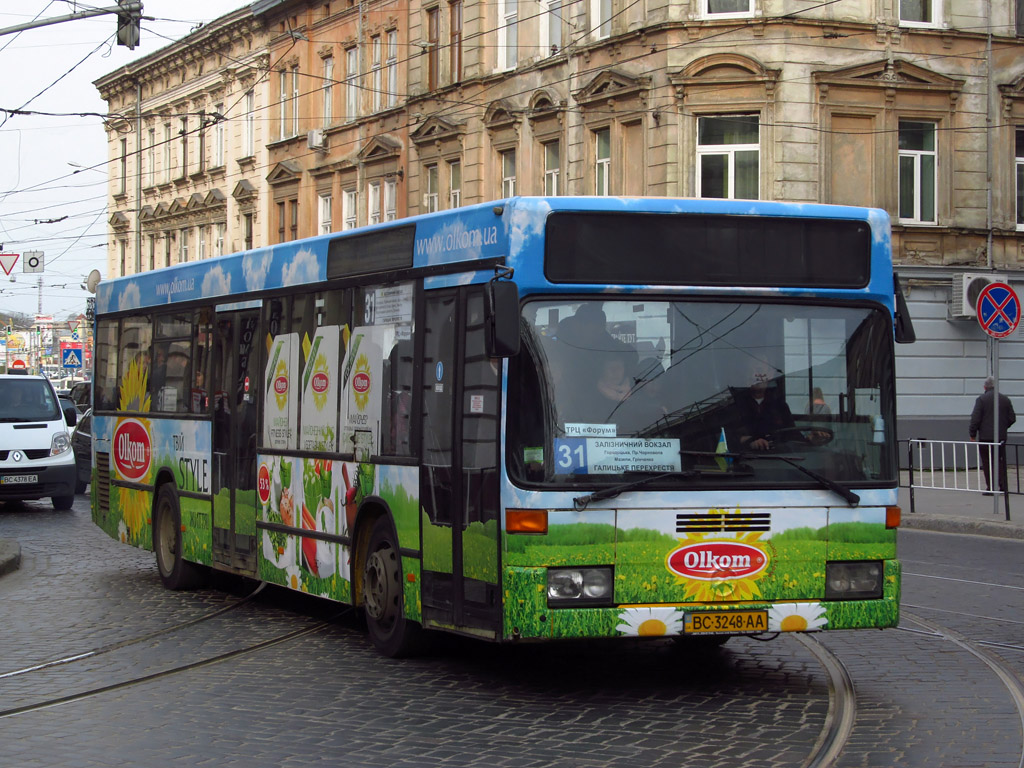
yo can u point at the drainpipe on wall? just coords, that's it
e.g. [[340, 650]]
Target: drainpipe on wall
[[138, 175], [988, 135]]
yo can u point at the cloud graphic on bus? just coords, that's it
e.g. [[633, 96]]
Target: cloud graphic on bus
[[525, 224], [130, 297], [216, 283], [302, 268], [255, 268]]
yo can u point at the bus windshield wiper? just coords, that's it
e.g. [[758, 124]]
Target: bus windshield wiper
[[579, 503], [848, 496]]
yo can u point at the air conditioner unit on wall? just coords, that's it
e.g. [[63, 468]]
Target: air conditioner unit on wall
[[315, 139], [967, 287]]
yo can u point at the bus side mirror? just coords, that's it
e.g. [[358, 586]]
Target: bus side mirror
[[904, 326], [502, 318]]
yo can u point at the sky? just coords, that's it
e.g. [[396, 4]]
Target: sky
[[53, 167]]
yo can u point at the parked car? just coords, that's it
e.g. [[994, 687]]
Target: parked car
[[81, 393], [36, 459], [81, 444]]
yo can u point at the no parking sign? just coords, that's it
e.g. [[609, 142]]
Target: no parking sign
[[998, 310]]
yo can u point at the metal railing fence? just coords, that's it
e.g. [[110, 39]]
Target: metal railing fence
[[958, 465]]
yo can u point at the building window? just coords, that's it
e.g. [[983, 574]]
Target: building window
[[349, 215], [508, 36], [123, 183], [391, 65], [247, 231], [282, 103], [219, 242], [294, 225], [376, 84], [184, 148], [295, 100], [390, 200], [918, 13], [373, 193], [351, 83], [728, 150], [183, 246], [917, 172], [281, 221], [168, 152], [602, 160], [328, 90], [323, 222], [167, 248], [727, 8], [430, 180], [550, 27], [455, 39], [601, 18], [508, 172], [552, 167], [151, 159], [152, 252], [249, 126], [123, 245], [1020, 178], [454, 184], [201, 246], [201, 153], [218, 135], [433, 54]]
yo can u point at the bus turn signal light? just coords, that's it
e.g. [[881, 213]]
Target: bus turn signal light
[[892, 517], [526, 520]]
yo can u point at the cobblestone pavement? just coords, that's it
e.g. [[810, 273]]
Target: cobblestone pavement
[[328, 697]]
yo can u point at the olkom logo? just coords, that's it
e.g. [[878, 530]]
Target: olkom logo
[[320, 382], [263, 484], [717, 561], [281, 385], [133, 450], [361, 382]]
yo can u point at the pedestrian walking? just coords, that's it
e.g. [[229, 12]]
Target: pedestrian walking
[[982, 429]]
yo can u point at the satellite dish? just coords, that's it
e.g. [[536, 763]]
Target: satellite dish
[[92, 280]]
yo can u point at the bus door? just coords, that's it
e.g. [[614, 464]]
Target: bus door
[[459, 481], [235, 398]]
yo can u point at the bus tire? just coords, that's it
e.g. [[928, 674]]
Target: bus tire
[[175, 572], [391, 632]]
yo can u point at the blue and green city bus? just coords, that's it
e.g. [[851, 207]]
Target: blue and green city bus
[[534, 419]]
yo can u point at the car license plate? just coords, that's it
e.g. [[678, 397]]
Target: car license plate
[[726, 622], [18, 479]]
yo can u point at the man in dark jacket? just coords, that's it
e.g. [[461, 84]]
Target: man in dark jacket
[[981, 429]]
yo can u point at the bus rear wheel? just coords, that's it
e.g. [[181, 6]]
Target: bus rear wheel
[[391, 632], [175, 571]]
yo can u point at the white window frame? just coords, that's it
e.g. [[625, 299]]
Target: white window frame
[[151, 159], [201, 246], [391, 64], [552, 174], [729, 151], [376, 73], [282, 101], [219, 242], [390, 200], [917, 156], [328, 104], [430, 182], [168, 152], [1019, 165], [602, 163], [351, 83], [508, 34], [349, 209], [183, 245], [373, 203], [550, 33], [707, 13], [323, 221], [454, 183], [218, 136], [508, 180], [295, 100], [600, 19], [249, 126], [935, 20]]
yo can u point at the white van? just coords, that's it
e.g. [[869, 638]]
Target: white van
[[36, 459]]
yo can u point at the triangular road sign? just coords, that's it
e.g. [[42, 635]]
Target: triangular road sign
[[7, 261]]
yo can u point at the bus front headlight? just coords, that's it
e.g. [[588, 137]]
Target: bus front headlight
[[853, 581], [575, 586]]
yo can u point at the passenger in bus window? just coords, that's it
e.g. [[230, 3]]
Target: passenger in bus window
[[763, 411]]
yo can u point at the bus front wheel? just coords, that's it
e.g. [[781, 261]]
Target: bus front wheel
[[175, 571], [391, 632]]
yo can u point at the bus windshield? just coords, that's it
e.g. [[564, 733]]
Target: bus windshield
[[698, 390]]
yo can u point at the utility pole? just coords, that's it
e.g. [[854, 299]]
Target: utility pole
[[129, 18]]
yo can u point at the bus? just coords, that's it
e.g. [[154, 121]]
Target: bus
[[531, 419]]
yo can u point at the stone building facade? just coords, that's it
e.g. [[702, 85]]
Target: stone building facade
[[376, 110], [186, 148]]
